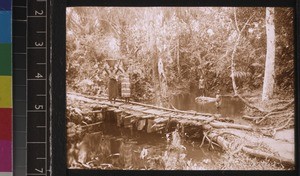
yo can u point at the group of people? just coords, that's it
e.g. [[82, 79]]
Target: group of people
[[117, 71]]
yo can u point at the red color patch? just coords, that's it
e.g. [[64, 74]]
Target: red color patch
[[5, 124]]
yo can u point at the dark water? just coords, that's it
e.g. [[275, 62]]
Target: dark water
[[119, 148], [109, 147], [230, 107]]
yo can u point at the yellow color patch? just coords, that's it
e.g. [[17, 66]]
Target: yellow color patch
[[5, 92]]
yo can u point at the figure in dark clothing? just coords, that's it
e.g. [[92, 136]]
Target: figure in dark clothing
[[218, 100], [112, 69], [201, 86]]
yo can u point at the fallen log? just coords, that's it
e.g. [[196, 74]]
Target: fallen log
[[265, 155], [256, 153], [203, 100], [216, 124], [250, 105], [219, 139]]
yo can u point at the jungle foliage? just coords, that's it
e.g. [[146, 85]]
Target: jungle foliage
[[169, 48]]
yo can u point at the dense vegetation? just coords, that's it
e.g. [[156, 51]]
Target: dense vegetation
[[170, 48]]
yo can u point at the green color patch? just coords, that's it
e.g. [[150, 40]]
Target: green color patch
[[5, 92], [5, 59]]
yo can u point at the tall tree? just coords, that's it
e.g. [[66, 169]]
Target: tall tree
[[235, 47], [268, 85]]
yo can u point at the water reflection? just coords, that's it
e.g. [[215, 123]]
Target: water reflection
[[107, 146], [231, 106], [119, 148]]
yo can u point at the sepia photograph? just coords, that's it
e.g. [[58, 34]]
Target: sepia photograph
[[180, 88]]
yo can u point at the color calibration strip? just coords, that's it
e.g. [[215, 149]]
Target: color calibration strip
[[19, 17], [5, 88]]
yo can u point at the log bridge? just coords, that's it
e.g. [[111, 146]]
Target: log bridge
[[215, 129]]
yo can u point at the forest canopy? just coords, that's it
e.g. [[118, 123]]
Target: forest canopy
[[169, 48]]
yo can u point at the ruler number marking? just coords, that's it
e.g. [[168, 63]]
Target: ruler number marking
[[40, 171], [40, 159], [38, 75], [39, 44], [39, 107], [38, 13]]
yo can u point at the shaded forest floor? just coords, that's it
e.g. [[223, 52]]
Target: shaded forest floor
[[276, 123]]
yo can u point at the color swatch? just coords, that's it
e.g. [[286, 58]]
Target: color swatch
[[6, 88]]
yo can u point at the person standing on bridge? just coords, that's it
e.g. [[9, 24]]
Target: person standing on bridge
[[125, 82], [112, 67]]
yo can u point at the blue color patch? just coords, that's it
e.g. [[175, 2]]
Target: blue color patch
[[5, 26], [5, 5]]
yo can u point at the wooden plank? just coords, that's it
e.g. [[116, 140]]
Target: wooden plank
[[131, 108], [140, 108], [141, 124], [176, 116], [138, 114], [149, 116], [111, 109], [128, 111], [170, 114], [156, 112], [120, 120], [104, 106], [119, 103], [161, 120], [150, 123], [127, 106], [118, 110], [187, 116], [202, 118], [127, 121], [97, 111]]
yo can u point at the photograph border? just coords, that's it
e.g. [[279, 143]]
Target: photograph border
[[58, 81]]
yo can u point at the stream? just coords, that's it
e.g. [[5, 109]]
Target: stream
[[109, 147], [230, 107], [119, 148]]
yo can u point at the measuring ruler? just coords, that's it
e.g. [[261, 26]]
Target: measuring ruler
[[31, 112]]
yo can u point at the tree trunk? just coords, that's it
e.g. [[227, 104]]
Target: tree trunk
[[178, 60], [154, 54], [233, 65], [268, 86]]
